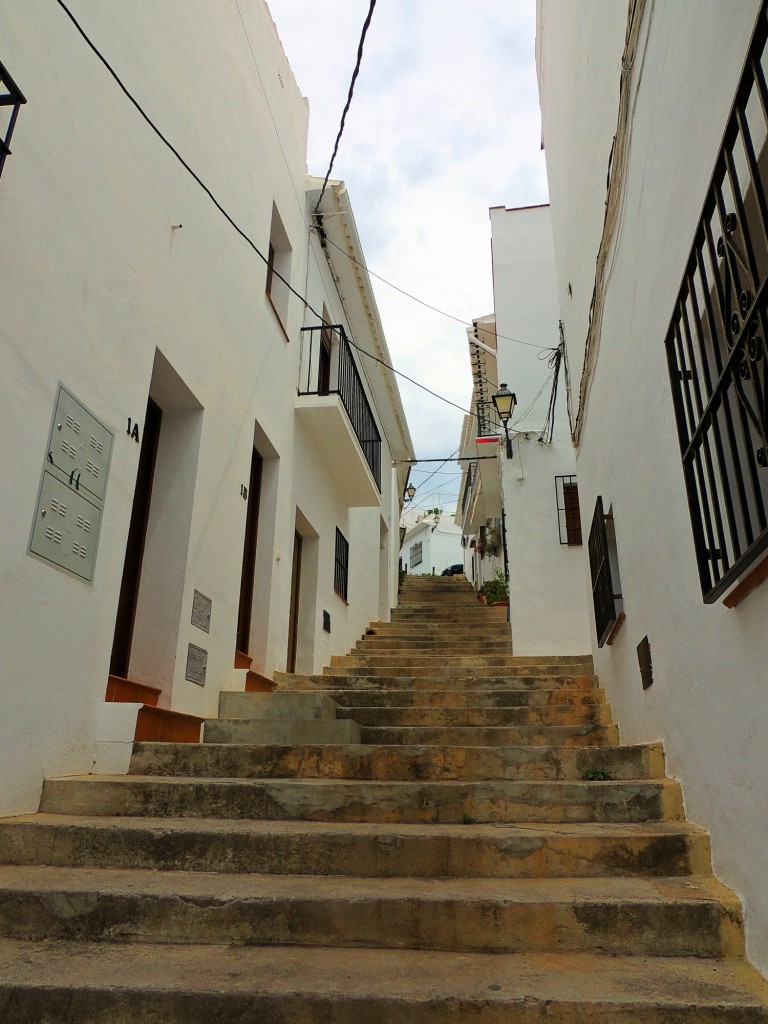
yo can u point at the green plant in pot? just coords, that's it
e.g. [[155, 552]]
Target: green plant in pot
[[495, 590]]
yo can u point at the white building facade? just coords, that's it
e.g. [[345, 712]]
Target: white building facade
[[431, 544], [531, 498], [661, 280], [198, 464]]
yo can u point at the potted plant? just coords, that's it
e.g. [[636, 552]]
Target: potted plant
[[496, 590]]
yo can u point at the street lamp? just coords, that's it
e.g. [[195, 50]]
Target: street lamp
[[505, 402], [410, 490]]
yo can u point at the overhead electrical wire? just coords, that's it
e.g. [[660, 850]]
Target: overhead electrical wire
[[355, 73], [249, 241]]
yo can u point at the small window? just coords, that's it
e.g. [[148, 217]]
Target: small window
[[341, 566], [11, 99], [604, 569], [278, 269], [568, 514], [415, 554]]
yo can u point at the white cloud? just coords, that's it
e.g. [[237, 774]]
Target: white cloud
[[444, 124]]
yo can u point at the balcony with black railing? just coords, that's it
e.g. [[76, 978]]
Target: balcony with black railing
[[333, 401]]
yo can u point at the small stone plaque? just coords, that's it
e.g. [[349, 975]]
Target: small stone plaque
[[201, 611], [197, 663]]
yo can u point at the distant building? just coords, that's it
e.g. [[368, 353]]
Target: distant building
[[431, 544], [197, 460]]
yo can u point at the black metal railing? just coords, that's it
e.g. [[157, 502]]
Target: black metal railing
[[468, 486], [329, 368], [11, 97], [488, 422], [716, 345], [603, 595], [341, 565]]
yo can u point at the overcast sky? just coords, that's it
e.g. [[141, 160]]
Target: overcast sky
[[444, 124]]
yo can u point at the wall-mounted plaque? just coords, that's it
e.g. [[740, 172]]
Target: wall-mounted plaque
[[201, 611], [197, 664]]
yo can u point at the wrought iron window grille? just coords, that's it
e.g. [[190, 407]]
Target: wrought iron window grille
[[568, 513], [341, 565], [603, 567], [11, 100], [329, 368], [716, 344]]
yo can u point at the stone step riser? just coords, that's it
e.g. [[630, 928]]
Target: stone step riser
[[463, 852], [472, 646], [630, 927], [389, 763], [480, 717], [457, 684], [340, 801], [294, 732], [449, 674], [459, 699], [523, 735]]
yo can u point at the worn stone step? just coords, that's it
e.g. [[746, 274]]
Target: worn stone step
[[455, 684], [435, 631], [292, 731], [380, 698], [419, 659], [495, 736], [405, 763], [372, 801], [648, 849], [442, 668], [90, 983], [615, 916], [500, 645], [478, 716], [291, 705]]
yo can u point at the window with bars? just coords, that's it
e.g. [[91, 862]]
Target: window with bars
[[716, 344], [415, 554], [11, 99], [341, 565], [604, 570], [568, 513]]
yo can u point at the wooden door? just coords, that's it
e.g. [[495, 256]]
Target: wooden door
[[293, 620], [134, 550], [248, 573]]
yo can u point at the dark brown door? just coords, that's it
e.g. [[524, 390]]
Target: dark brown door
[[248, 575], [134, 550], [293, 620]]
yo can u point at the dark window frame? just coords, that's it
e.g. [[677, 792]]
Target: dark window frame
[[568, 510], [716, 348], [10, 96], [341, 565], [603, 568]]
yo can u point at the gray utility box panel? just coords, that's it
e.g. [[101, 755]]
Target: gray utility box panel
[[65, 530]]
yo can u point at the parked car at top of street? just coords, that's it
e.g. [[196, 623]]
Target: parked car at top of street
[[453, 570]]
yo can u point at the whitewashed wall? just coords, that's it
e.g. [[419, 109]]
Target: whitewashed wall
[[440, 541], [102, 294], [547, 585], [708, 700]]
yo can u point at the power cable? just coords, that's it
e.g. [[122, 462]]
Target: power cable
[[355, 73], [456, 452], [421, 302], [226, 215]]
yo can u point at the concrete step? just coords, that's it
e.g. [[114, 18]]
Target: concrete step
[[474, 662], [470, 645], [293, 731], [493, 736], [387, 850], [365, 801], [420, 630], [380, 698], [479, 716], [90, 983], [615, 916], [405, 763], [283, 705], [457, 684]]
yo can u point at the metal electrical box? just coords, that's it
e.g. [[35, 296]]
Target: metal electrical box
[[67, 522]]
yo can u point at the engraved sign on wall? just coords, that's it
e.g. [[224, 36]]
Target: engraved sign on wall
[[197, 664], [73, 484], [201, 611]]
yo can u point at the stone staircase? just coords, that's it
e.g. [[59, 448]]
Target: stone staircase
[[487, 853]]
